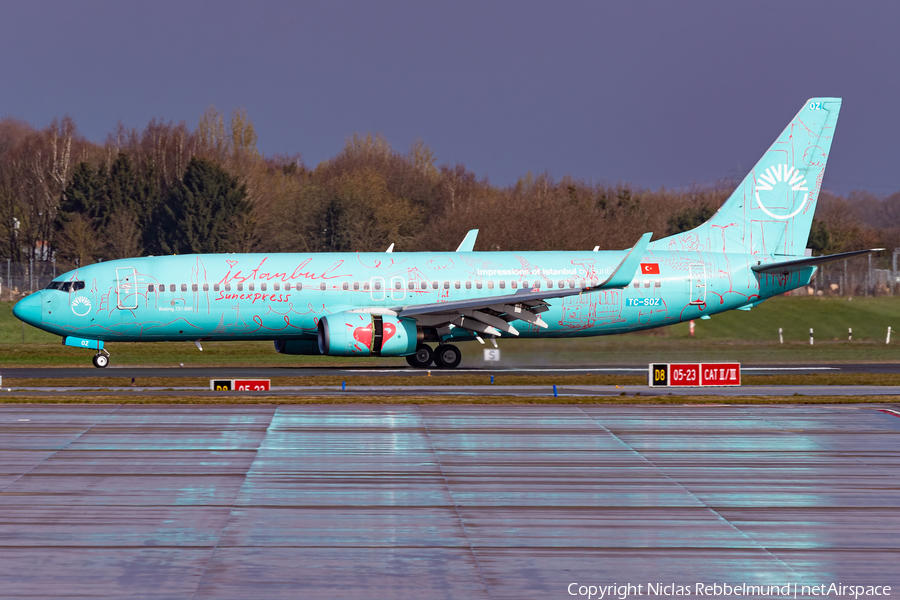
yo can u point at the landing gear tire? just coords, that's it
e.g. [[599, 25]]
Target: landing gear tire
[[100, 360], [423, 357], [447, 356]]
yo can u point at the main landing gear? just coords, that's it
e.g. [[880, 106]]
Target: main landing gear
[[101, 359], [445, 356]]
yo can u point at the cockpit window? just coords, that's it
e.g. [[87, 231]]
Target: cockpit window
[[66, 286]]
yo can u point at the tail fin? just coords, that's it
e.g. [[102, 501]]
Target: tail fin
[[771, 211]]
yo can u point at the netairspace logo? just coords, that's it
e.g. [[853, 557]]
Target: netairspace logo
[[719, 590]]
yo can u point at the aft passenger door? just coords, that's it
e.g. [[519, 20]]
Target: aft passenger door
[[126, 288]]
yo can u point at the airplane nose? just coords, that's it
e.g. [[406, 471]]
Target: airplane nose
[[28, 309]]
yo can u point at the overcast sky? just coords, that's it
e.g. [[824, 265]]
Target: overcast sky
[[655, 93]]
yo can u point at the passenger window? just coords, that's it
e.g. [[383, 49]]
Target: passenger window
[[398, 285], [298, 287], [276, 287], [646, 283], [322, 286], [549, 285], [250, 287], [572, 283], [412, 285], [537, 285], [456, 284], [150, 288], [287, 287], [365, 285], [346, 286], [478, 285], [183, 287], [637, 284], [434, 285], [377, 285], [468, 285], [216, 287], [658, 283], [446, 285], [227, 287], [490, 285], [560, 284], [502, 285], [205, 287], [240, 287], [582, 283], [424, 285], [513, 284], [262, 287], [524, 284], [172, 287], [194, 287], [355, 285]]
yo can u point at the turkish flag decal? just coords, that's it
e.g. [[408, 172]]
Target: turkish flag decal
[[650, 268]]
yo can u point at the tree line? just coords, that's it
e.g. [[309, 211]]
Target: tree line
[[166, 189]]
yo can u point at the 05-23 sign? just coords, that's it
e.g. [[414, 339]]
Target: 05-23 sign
[[694, 374]]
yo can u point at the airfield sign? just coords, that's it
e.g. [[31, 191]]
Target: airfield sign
[[694, 375]]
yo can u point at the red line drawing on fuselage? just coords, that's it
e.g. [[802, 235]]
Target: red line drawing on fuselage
[[587, 310]]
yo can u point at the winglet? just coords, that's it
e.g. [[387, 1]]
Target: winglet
[[390, 248], [623, 275], [468, 243]]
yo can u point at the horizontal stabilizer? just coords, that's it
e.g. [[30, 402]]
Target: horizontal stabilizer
[[811, 261], [468, 243]]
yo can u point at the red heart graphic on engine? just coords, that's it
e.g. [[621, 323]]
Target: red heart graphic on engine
[[363, 335], [389, 330]]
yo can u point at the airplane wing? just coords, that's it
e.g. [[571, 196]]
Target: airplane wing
[[789, 266], [493, 314]]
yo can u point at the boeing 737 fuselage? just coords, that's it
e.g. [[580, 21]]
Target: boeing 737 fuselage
[[397, 304]]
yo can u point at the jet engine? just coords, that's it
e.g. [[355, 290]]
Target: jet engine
[[363, 334]]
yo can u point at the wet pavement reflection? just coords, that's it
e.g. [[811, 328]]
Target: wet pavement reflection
[[441, 501]]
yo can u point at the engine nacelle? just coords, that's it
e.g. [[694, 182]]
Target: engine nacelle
[[363, 334], [297, 347]]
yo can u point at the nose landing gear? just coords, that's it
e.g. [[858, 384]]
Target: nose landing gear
[[101, 359]]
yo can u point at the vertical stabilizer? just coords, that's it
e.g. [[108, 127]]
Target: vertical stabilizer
[[771, 211]]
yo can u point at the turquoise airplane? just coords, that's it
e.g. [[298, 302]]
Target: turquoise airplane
[[398, 303]]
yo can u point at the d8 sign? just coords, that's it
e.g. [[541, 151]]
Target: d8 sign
[[695, 375]]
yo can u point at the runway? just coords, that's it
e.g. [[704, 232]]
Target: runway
[[275, 372], [431, 501], [474, 391]]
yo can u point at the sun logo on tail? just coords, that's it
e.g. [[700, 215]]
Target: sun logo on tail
[[780, 174]]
